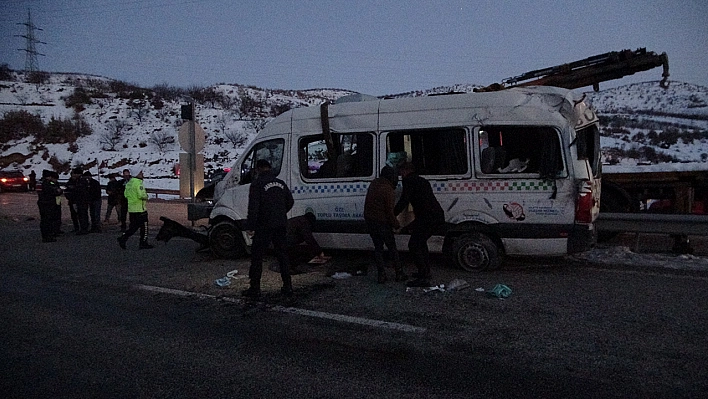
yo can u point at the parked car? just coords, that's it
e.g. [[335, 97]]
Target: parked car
[[13, 180]]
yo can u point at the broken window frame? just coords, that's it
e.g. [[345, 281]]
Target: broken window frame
[[438, 152], [587, 142], [516, 141], [271, 150], [355, 159]]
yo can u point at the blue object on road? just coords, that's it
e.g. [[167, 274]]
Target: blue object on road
[[223, 282], [500, 291]]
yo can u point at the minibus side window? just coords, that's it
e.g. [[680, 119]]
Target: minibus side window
[[352, 155], [514, 150], [434, 152], [271, 150]]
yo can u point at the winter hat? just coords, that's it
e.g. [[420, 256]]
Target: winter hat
[[135, 170]]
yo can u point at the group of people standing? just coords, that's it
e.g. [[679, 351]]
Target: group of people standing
[[380, 214], [84, 197], [83, 194], [270, 200]]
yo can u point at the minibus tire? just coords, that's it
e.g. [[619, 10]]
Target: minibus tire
[[226, 241], [475, 252]]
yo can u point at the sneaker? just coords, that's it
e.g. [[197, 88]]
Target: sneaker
[[419, 282], [121, 242], [146, 246], [252, 293]]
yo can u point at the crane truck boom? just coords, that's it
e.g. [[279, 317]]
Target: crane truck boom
[[590, 71]]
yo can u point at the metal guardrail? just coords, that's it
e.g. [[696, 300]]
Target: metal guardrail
[[161, 191], [692, 225]]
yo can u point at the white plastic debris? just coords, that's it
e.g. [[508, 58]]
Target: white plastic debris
[[457, 285], [440, 288], [480, 289], [226, 281], [341, 275]]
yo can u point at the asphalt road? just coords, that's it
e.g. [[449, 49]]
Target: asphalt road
[[83, 318]]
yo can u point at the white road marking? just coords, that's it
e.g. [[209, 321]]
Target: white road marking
[[302, 312]]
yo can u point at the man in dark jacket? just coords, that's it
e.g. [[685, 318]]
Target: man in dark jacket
[[429, 216], [72, 197], [381, 222], [83, 199], [94, 202], [47, 203], [123, 213], [115, 190], [269, 200]]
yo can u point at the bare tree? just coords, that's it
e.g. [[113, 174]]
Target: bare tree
[[256, 124], [114, 135], [139, 108], [161, 139], [222, 121], [237, 138]]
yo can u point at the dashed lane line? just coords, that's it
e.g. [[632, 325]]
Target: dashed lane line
[[302, 312]]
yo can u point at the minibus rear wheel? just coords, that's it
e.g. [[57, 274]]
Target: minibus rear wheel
[[476, 252], [226, 241]]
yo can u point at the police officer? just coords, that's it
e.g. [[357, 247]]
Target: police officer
[[83, 200], [47, 203], [269, 201], [72, 197], [137, 212], [123, 211]]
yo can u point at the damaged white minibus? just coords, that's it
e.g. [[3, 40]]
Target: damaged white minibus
[[517, 171]]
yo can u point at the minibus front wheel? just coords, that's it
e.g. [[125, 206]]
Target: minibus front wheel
[[226, 241], [476, 252]]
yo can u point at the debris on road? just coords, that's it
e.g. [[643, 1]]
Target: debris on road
[[457, 285], [226, 281], [500, 291], [440, 288], [341, 275]]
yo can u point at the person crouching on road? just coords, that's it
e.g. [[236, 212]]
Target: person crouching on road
[[137, 212], [269, 200]]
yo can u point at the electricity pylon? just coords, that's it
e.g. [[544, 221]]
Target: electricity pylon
[[31, 64]]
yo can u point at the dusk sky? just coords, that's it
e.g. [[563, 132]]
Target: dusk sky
[[373, 47]]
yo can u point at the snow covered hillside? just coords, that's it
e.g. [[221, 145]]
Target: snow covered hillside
[[135, 126], [642, 123]]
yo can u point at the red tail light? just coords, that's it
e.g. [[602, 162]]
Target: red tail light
[[584, 204]]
